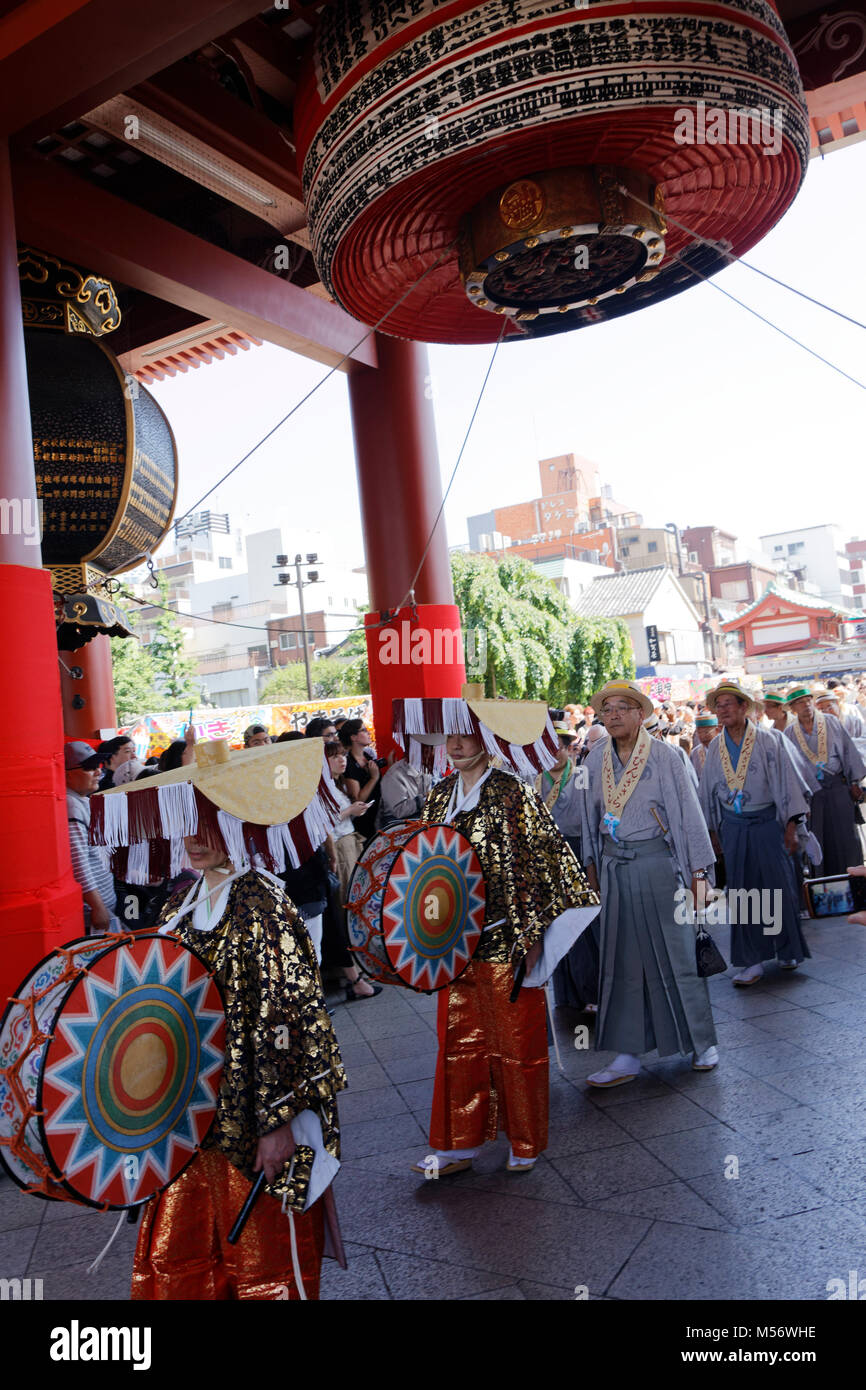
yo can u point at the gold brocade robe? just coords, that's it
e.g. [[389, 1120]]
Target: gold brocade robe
[[531, 874], [281, 1052]]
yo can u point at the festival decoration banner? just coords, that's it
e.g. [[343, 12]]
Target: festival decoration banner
[[152, 733]]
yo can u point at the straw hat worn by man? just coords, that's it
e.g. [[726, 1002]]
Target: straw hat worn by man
[[755, 802], [644, 838]]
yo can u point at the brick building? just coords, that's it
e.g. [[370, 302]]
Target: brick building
[[573, 514]]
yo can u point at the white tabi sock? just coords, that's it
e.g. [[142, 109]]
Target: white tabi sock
[[626, 1063], [521, 1162]]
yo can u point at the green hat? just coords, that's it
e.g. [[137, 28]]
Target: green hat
[[706, 721], [799, 692], [775, 697]]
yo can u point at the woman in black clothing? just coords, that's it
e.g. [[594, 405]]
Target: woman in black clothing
[[346, 845], [114, 753], [362, 774]]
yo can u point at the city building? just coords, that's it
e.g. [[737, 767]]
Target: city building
[[708, 546], [856, 552], [814, 554], [239, 620], [737, 583], [575, 513], [665, 627], [641, 547], [570, 573], [785, 620]]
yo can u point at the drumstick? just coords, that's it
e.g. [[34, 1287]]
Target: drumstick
[[243, 1215], [518, 981]]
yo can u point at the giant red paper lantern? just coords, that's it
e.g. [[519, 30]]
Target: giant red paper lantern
[[543, 151]]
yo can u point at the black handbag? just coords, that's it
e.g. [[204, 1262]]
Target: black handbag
[[708, 958]]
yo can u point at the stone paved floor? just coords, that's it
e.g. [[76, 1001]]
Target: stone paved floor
[[631, 1198]]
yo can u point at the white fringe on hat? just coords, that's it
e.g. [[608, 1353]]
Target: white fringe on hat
[[453, 716], [169, 813]]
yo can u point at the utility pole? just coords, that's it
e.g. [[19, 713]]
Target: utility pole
[[300, 584], [672, 526]]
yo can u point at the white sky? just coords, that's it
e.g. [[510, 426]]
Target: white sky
[[692, 410]]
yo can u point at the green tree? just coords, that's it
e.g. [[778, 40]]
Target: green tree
[[328, 677], [599, 650], [352, 651], [135, 690], [177, 681], [537, 648]]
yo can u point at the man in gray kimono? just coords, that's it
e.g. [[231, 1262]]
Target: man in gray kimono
[[755, 800], [848, 713], [776, 710], [575, 979], [838, 766], [645, 845]]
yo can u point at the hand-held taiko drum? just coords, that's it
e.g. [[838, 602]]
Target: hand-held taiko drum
[[111, 1056], [416, 906]]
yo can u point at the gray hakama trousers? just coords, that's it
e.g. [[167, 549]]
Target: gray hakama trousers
[[834, 826], [651, 993], [756, 858]]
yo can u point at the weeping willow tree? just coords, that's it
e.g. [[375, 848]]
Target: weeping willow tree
[[536, 647]]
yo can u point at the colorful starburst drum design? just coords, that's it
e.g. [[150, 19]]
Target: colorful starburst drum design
[[111, 1056], [416, 906]]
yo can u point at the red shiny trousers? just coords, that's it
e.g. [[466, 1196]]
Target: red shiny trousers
[[492, 1068], [183, 1251]]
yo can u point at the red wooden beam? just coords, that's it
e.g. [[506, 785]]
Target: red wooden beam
[[59, 59], [188, 98], [60, 213]]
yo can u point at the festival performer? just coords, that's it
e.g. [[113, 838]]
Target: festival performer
[[756, 803], [707, 727], [644, 838], [283, 1070], [492, 1068], [838, 766]]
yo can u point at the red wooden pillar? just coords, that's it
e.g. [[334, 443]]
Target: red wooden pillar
[[401, 492], [96, 688], [40, 902]]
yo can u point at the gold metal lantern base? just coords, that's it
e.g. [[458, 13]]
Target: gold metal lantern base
[[561, 239]]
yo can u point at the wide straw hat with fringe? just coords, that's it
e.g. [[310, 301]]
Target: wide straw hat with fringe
[[518, 732], [268, 807]]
